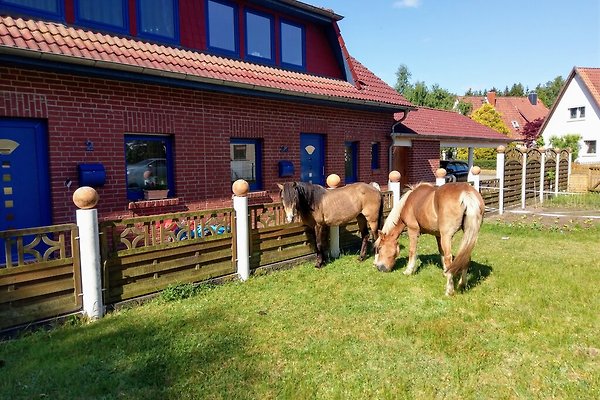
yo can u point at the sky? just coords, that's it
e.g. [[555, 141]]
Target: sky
[[471, 44]]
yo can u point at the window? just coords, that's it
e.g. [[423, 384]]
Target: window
[[158, 19], [259, 37], [246, 161], [375, 155], [351, 162], [590, 146], [107, 14], [222, 27], [576, 112], [149, 162], [42, 8], [292, 45], [515, 124]]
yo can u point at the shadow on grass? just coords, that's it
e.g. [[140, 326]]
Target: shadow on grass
[[477, 272]]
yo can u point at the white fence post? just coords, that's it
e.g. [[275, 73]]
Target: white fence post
[[86, 198], [523, 151], [240, 189], [475, 171], [333, 181], [440, 176], [394, 186], [542, 172], [500, 156]]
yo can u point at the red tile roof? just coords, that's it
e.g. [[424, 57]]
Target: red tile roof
[[57, 42], [591, 78], [511, 109], [446, 124]]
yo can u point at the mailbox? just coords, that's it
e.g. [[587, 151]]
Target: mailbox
[[286, 168], [92, 175]]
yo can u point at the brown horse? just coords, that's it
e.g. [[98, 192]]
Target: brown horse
[[320, 208], [439, 211]]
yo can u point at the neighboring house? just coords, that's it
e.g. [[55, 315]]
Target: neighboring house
[[437, 128], [127, 96], [515, 111], [577, 111]]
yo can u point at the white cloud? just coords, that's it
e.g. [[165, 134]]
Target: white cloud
[[406, 4]]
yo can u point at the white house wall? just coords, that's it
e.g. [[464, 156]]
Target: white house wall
[[560, 123]]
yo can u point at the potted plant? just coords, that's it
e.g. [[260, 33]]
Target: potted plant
[[154, 190]]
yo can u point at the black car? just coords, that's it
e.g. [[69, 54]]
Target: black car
[[456, 171]]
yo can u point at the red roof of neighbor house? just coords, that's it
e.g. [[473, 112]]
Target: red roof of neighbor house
[[591, 78], [450, 124], [57, 42], [511, 108]]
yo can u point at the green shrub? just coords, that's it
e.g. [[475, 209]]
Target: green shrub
[[182, 291]]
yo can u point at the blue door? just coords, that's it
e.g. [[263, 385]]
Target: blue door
[[25, 192], [312, 158], [351, 162]]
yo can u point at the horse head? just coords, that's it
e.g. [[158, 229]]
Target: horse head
[[386, 251], [289, 198]]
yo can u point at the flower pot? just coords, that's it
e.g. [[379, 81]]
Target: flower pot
[[156, 194]]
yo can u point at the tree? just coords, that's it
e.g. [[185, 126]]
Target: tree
[[403, 79], [417, 94], [548, 92], [531, 132], [439, 98], [516, 90], [464, 108], [570, 141], [488, 116]]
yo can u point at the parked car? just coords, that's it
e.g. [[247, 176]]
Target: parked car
[[456, 171]]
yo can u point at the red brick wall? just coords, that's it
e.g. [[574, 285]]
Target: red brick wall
[[424, 160], [78, 109]]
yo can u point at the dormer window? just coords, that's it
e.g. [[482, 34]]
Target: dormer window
[[292, 45], [111, 15], [42, 8], [158, 19], [515, 124], [222, 27], [259, 37]]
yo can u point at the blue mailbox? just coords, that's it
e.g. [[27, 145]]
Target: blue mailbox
[[92, 175], [286, 168]]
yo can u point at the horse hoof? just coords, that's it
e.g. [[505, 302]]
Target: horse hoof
[[319, 266]]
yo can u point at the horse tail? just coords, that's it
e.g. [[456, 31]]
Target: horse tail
[[473, 216]]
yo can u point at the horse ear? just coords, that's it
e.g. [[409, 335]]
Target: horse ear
[[280, 186]]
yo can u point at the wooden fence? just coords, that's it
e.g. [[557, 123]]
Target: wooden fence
[[41, 278]]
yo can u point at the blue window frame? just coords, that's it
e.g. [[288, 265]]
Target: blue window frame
[[246, 161], [222, 27], [52, 9], [158, 20], [375, 148], [292, 45], [111, 15], [351, 162], [149, 161], [259, 35]]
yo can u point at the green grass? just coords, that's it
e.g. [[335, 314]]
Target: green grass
[[585, 201], [527, 327]]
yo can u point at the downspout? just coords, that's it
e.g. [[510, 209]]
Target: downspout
[[391, 149]]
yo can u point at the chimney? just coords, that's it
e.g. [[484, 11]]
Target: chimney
[[532, 98], [491, 98]]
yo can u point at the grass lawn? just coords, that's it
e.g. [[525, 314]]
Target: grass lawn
[[527, 327]]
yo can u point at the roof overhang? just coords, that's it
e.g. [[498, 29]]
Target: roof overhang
[[300, 9], [112, 70], [405, 139]]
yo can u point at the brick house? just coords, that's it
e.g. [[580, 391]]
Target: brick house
[[185, 97]]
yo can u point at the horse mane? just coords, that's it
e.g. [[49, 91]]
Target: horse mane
[[394, 216], [309, 195]]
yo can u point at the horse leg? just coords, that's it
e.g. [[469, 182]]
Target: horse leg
[[463, 279], [413, 236], [320, 245], [445, 244], [364, 234]]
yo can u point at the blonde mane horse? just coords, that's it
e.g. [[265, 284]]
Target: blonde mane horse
[[438, 211]]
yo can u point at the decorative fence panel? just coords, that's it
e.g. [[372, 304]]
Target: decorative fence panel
[[563, 170], [272, 240], [144, 255], [550, 170], [533, 171], [41, 277], [490, 191], [594, 179], [513, 176]]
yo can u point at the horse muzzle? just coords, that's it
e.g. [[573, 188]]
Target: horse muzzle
[[382, 267]]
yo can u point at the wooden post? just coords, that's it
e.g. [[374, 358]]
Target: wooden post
[[394, 186], [333, 181], [500, 156], [86, 198], [557, 173], [240, 189], [440, 176]]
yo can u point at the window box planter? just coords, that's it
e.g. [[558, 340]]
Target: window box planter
[[156, 194]]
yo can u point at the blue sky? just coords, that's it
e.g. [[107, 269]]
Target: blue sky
[[478, 44]]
